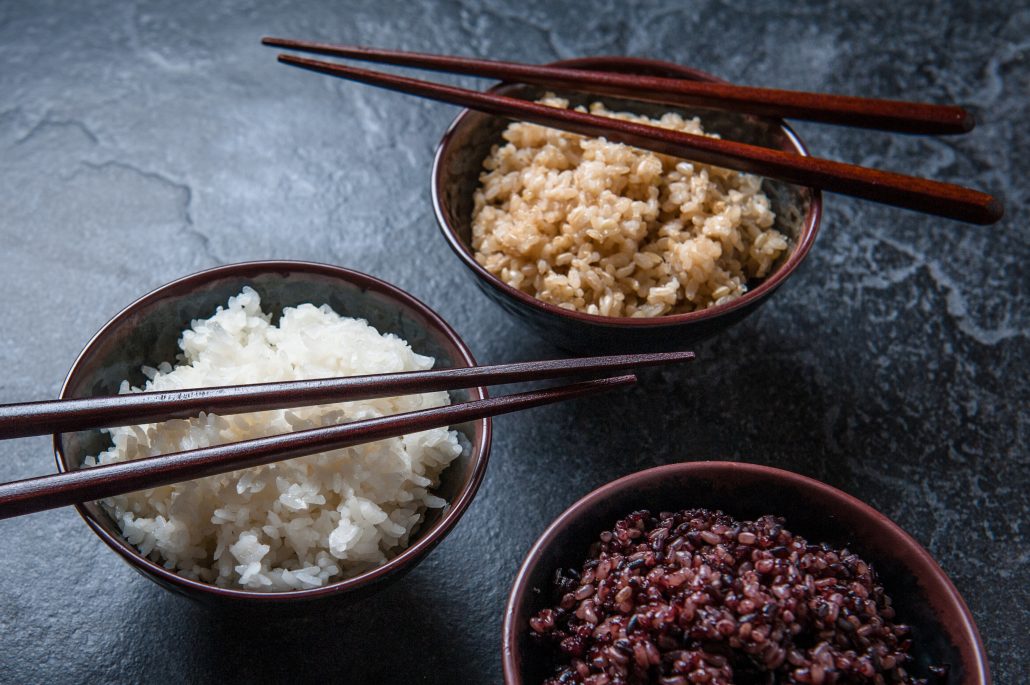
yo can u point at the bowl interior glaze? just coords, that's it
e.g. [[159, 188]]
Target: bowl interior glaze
[[147, 332], [943, 629]]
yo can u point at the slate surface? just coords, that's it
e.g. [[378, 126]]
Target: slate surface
[[143, 141]]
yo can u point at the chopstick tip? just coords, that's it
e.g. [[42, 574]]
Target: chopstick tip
[[967, 122], [995, 211], [671, 357]]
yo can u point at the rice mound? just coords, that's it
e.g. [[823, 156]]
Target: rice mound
[[613, 230], [295, 524]]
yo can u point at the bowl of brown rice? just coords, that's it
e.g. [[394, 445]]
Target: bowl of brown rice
[[599, 246]]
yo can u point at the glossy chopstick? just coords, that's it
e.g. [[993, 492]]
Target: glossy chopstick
[[60, 416], [886, 187], [846, 110], [85, 484]]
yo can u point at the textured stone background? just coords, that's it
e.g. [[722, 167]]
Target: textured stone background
[[143, 141]]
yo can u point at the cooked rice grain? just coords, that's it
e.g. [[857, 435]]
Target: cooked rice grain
[[614, 230], [300, 523]]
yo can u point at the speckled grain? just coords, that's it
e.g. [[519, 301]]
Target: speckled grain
[[143, 141]]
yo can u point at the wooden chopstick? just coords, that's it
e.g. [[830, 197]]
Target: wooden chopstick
[[85, 484], [59, 416], [886, 187], [846, 110]]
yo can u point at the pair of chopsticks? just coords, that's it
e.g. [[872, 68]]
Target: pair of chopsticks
[[886, 187], [85, 484]]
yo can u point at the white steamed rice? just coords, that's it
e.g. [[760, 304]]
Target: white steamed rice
[[295, 524]]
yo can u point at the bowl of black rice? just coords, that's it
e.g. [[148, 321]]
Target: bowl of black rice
[[725, 572]]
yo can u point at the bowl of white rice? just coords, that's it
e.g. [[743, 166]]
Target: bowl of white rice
[[330, 525], [599, 246]]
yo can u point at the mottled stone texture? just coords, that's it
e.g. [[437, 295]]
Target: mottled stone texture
[[140, 142]]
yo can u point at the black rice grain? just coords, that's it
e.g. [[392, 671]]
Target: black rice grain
[[698, 597]]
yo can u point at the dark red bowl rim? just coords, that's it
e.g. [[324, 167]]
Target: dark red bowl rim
[[480, 445], [931, 573], [809, 230]]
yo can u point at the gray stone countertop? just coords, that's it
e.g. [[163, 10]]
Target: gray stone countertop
[[143, 141]]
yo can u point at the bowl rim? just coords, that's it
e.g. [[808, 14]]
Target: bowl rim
[[972, 646], [480, 444], [809, 229]]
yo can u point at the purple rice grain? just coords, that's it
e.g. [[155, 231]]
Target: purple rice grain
[[698, 597]]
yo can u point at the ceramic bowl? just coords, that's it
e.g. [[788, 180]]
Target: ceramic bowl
[[455, 176], [943, 629], [146, 332]]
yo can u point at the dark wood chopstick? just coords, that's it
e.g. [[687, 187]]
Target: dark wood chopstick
[[85, 484], [60, 416], [889, 115], [910, 192]]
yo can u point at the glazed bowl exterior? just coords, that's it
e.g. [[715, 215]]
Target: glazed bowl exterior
[[943, 630], [455, 176], [146, 332]]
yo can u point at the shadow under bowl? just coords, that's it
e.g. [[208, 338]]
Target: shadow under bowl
[[146, 333], [455, 177], [943, 631]]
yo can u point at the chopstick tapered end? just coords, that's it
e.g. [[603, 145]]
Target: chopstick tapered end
[[967, 122], [994, 211], [303, 62], [662, 358], [617, 381]]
